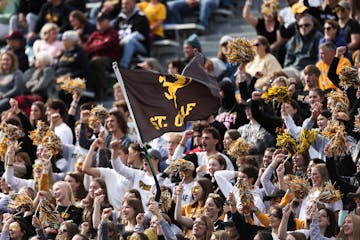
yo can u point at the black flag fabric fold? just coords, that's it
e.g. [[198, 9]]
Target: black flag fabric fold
[[163, 103]]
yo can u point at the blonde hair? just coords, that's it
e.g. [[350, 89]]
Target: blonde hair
[[221, 235], [46, 28], [356, 230], [68, 190], [14, 59]]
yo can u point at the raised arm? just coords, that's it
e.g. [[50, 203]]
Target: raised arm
[[253, 21], [184, 221]]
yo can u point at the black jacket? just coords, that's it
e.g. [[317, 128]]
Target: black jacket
[[74, 62]]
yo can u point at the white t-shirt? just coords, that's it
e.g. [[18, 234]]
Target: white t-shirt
[[63, 131], [116, 186]]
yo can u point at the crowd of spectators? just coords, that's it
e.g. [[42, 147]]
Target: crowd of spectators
[[99, 185]]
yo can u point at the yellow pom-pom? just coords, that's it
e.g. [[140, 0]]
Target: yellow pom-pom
[[240, 51]]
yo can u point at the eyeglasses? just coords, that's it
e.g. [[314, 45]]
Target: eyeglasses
[[327, 28], [305, 25]]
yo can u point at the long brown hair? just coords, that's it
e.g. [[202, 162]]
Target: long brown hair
[[14, 60]]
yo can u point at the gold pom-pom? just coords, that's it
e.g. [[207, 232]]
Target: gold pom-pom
[[335, 132], [337, 102], [239, 148], [245, 195], [20, 202], [240, 51], [306, 139], [47, 212], [52, 142], [71, 85], [328, 193], [165, 199], [10, 135], [298, 185], [286, 141], [97, 113], [39, 133], [349, 77], [280, 94], [181, 166]]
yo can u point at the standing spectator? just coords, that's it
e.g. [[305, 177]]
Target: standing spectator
[[103, 48], [26, 17], [56, 114], [81, 25], [16, 43], [328, 10], [48, 42], [11, 79], [327, 53], [134, 30], [155, 12], [350, 27], [302, 48], [268, 25], [54, 11]]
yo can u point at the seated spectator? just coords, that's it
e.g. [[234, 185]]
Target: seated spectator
[[81, 25], [302, 48], [110, 7], [53, 11], [11, 79], [327, 11], [327, 53], [40, 79], [332, 33], [180, 8], [103, 48], [155, 11], [264, 62], [151, 64], [16, 43], [26, 17], [134, 30], [230, 68], [350, 27], [7, 9], [48, 42], [73, 61]]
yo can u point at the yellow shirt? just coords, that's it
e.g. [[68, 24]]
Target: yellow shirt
[[191, 212], [154, 13], [324, 81]]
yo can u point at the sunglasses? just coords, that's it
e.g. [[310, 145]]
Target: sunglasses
[[306, 25], [256, 44], [327, 28], [224, 44]]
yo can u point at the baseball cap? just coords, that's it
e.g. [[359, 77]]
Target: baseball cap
[[15, 35], [298, 8]]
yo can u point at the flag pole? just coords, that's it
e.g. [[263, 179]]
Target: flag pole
[[122, 86]]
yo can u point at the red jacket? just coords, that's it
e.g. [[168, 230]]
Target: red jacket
[[104, 44]]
